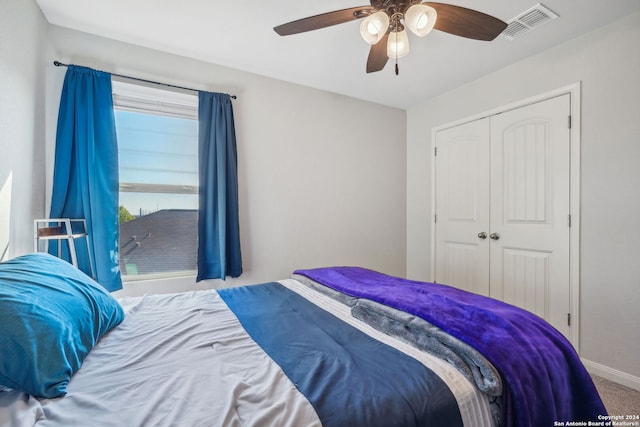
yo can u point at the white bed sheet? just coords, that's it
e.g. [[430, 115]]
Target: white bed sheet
[[207, 371]]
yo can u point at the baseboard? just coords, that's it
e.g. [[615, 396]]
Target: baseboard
[[611, 374]]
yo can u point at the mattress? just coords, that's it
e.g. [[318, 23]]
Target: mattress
[[203, 358]]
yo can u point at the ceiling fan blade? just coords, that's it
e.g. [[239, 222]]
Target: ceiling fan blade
[[468, 23], [378, 55], [323, 20]]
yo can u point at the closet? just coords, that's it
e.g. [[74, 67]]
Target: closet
[[502, 208]]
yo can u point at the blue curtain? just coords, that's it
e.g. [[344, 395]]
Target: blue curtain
[[218, 226], [85, 180]]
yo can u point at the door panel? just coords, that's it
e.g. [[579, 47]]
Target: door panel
[[525, 161], [530, 150], [527, 273], [462, 262], [462, 206]]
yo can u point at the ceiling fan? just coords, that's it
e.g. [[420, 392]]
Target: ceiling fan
[[383, 26]]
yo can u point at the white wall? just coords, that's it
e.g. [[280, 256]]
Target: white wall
[[607, 62], [322, 177], [22, 80]]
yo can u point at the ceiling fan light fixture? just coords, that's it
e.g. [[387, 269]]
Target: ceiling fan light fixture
[[374, 27], [384, 21], [398, 44], [420, 18]]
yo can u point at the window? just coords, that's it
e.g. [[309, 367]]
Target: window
[[158, 165]]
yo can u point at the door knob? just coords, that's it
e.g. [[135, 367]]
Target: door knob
[[494, 236], [482, 235]]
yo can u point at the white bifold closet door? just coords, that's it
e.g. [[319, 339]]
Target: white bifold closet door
[[502, 208]]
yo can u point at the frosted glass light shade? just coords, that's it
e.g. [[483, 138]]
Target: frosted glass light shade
[[420, 19], [398, 44], [374, 27]]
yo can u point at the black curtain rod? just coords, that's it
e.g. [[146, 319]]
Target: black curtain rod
[[60, 64]]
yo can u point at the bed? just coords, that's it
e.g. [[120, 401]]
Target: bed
[[339, 346]]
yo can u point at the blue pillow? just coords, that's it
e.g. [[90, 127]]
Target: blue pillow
[[51, 316]]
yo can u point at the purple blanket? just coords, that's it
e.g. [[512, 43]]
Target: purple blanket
[[543, 377]]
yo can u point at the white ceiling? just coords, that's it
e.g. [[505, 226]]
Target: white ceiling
[[239, 34]]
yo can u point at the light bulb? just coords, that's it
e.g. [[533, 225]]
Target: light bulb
[[420, 19], [398, 44], [374, 27]]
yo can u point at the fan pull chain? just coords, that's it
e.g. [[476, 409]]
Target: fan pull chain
[[396, 56], [396, 17]]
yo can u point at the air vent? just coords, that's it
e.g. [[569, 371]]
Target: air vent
[[528, 21]]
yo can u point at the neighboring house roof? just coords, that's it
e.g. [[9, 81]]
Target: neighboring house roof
[[166, 240]]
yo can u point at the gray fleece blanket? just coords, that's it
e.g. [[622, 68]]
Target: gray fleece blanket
[[426, 337]]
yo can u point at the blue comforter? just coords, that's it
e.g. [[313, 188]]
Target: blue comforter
[[544, 379], [344, 373]]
